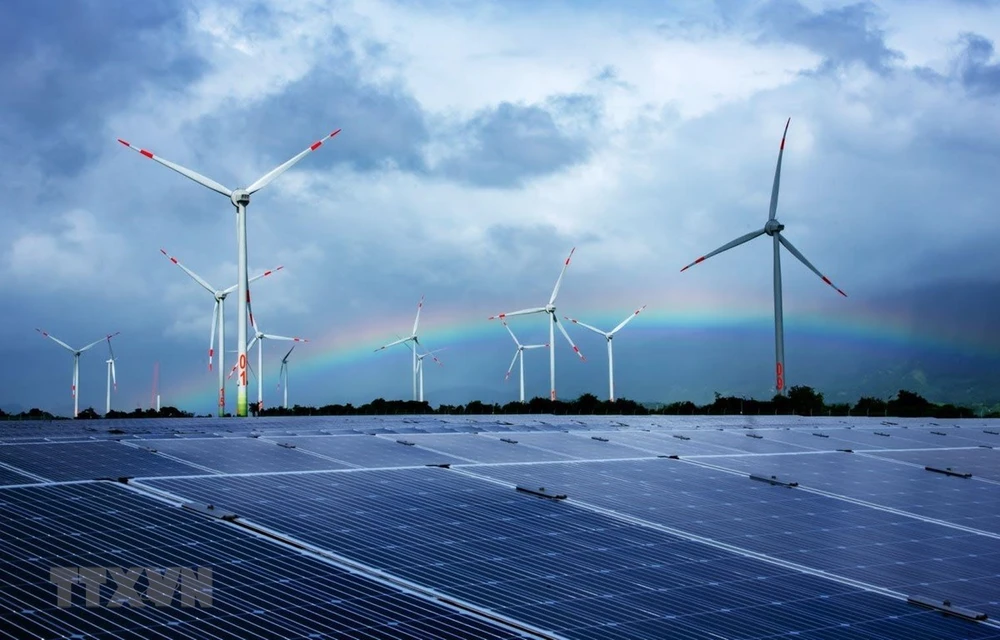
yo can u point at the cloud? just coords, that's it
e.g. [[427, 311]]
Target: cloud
[[384, 128], [63, 73], [76, 255], [842, 35], [508, 144], [975, 67]]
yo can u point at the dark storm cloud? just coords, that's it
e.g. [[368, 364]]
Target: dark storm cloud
[[975, 66], [842, 36], [383, 125], [66, 65], [506, 145]]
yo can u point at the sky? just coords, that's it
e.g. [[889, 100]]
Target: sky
[[480, 143]]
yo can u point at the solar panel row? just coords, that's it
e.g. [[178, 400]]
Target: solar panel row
[[70, 553], [643, 547]]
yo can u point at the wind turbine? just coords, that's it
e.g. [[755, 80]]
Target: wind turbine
[[112, 379], [259, 338], [609, 336], [411, 338], [550, 309], [519, 353], [218, 319], [240, 198], [420, 369], [283, 375], [76, 363], [774, 228]]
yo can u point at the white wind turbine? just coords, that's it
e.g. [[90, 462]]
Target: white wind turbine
[[76, 363], [420, 369], [283, 375], [112, 378], [774, 228], [259, 338], [550, 309], [218, 320], [519, 354], [411, 338], [240, 198], [609, 336]]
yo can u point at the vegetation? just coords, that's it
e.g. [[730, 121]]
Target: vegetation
[[801, 400]]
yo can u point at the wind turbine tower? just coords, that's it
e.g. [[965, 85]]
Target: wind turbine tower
[[519, 355], [240, 198], [774, 228], [411, 338], [550, 309], [112, 378], [609, 336], [218, 320], [76, 363]]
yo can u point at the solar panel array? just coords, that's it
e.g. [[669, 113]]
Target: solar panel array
[[501, 526]]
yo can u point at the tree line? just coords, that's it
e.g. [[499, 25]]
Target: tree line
[[801, 400]]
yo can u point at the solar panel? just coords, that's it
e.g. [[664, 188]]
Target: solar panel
[[580, 445], [981, 463], [485, 447], [549, 563], [242, 455], [89, 460], [851, 540], [181, 575], [9, 477], [371, 451], [907, 488]]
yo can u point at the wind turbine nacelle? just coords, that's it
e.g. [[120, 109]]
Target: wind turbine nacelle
[[772, 227], [240, 197]]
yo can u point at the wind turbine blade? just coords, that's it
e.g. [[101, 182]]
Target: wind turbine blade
[[252, 343], [285, 359], [394, 343], [777, 175], [111, 351], [627, 320], [555, 290], [536, 346], [726, 247], [194, 275], [233, 370], [253, 323], [97, 342], [257, 277], [795, 252], [114, 380], [266, 179], [416, 321], [511, 367], [568, 339], [286, 338], [56, 340], [511, 332], [586, 326], [211, 338], [184, 171], [522, 312]]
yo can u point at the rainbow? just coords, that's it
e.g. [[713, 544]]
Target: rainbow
[[854, 327]]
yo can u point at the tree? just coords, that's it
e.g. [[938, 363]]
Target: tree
[[805, 401]]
